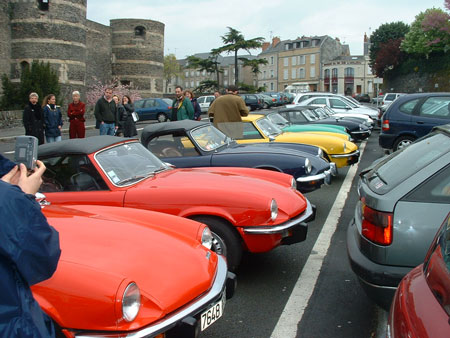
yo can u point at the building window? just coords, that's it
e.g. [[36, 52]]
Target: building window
[[225, 72], [334, 72], [286, 62], [271, 73], [312, 72], [271, 60], [315, 42], [139, 31], [302, 60], [198, 73], [349, 71], [186, 73], [43, 5], [271, 86], [125, 82], [198, 83], [312, 59], [192, 84], [294, 61], [204, 72], [225, 83], [264, 74], [24, 65], [286, 74], [186, 84], [301, 73], [192, 73], [293, 73]]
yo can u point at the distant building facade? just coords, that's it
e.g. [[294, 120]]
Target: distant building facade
[[80, 50]]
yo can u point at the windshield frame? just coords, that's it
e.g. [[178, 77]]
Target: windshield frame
[[139, 176], [265, 132], [226, 140]]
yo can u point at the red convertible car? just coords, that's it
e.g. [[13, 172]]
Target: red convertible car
[[124, 273], [246, 209]]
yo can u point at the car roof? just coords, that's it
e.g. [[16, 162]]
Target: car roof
[[173, 125], [297, 108], [86, 145], [407, 97]]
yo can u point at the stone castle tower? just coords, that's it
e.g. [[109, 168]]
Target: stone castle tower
[[80, 50]]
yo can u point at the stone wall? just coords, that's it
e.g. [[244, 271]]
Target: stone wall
[[419, 82], [98, 56], [5, 38]]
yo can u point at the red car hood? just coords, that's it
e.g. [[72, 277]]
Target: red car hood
[[239, 191], [106, 248]]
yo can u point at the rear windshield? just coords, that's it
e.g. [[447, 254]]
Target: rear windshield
[[393, 170]]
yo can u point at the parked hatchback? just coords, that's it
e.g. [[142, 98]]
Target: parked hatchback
[[159, 109], [413, 116], [205, 102], [403, 199]]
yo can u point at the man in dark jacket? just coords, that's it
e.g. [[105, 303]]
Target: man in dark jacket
[[33, 118], [29, 252], [106, 113]]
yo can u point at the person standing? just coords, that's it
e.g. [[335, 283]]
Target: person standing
[[129, 125], [181, 107], [195, 104], [75, 112], [120, 113], [52, 119], [33, 118], [29, 252], [227, 112], [106, 113]]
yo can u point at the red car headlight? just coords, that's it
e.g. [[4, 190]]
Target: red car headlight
[[131, 302]]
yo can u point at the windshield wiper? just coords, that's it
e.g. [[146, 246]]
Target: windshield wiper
[[133, 178]]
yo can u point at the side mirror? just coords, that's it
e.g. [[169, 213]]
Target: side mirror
[[169, 165], [271, 138], [41, 199]]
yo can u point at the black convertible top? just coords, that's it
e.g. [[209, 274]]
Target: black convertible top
[[298, 108], [86, 145], [155, 128]]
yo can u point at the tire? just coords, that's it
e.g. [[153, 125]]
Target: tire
[[265, 105], [226, 241], [161, 117], [402, 142]]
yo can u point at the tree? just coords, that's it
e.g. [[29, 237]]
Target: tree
[[97, 89], [429, 33], [388, 57], [39, 78], [382, 35], [253, 64], [206, 86], [234, 41], [171, 68]]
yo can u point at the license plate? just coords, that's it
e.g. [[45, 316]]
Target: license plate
[[212, 314]]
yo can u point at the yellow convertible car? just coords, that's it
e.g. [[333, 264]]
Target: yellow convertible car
[[258, 128]]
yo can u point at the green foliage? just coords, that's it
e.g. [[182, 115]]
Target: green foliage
[[384, 34], [39, 78], [249, 88], [206, 86], [10, 99], [254, 64], [210, 65], [171, 68], [429, 33], [233, 42]]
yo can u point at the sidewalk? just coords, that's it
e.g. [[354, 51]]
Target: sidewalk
[[8, 134]]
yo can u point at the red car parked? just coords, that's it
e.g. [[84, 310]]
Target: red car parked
[[246, 209], [421, 305]]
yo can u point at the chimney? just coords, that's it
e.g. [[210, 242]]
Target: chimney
[[265, 45], [275, 41]]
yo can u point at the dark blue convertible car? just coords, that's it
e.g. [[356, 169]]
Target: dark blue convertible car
[[188, 144]]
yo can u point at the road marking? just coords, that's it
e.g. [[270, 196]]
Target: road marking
[[292, 314], [10, 152]]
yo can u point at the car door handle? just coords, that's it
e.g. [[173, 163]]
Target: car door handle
[[420, 122]]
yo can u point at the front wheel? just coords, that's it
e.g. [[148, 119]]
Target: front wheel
[[226, 241], [161, 117], [403, 142], [265, 105]]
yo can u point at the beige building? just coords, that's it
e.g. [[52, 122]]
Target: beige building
[[300, 63], [268, 76]]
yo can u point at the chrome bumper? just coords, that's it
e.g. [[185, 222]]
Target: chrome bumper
[[296, 221], [215, 293], [355, 153]]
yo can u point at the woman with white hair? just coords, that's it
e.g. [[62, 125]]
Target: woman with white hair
[[75, 112], [33, 118]]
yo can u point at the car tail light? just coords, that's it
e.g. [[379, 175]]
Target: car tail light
[[169, 107], [385, 125], [376, 225]]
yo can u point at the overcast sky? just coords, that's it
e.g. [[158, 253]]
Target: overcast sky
[[196, 26]]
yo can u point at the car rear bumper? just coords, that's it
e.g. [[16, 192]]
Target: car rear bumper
[[386, 141], [378, 281], [186, 320]]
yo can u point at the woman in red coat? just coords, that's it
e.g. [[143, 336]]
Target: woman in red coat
[[75, 112]]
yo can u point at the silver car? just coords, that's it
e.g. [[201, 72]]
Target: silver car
[[403, 199]]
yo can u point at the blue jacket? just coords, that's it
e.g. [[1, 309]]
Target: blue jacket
[[29, 254], [52, 119]]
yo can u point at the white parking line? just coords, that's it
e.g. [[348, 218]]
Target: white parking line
[[304, 287], [10, 152]]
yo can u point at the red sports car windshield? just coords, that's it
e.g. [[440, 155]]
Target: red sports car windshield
[[128, 163]]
